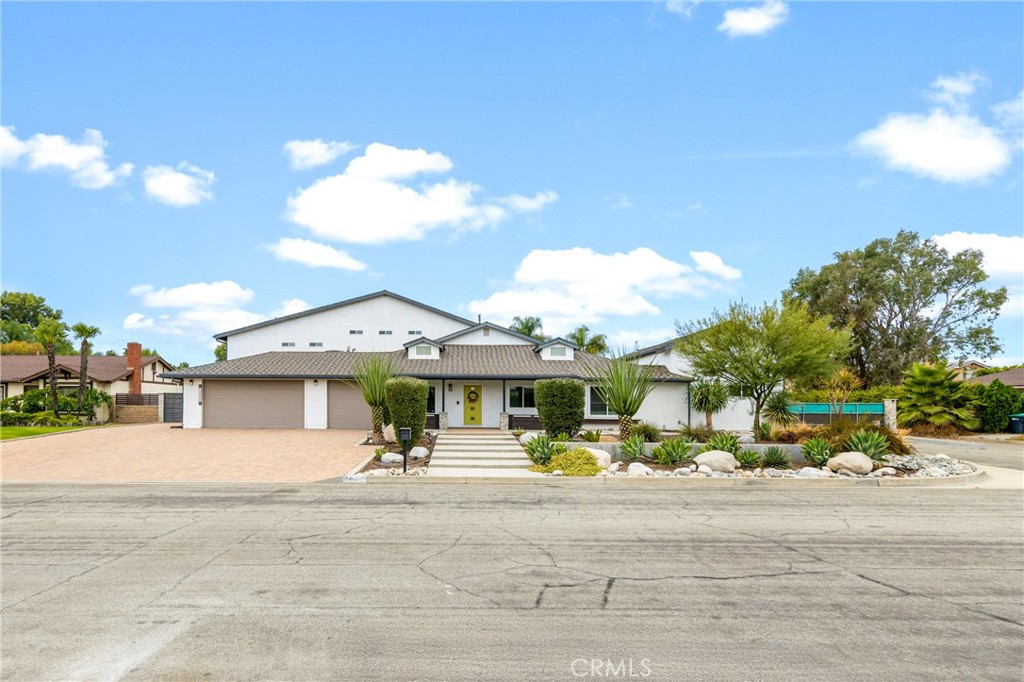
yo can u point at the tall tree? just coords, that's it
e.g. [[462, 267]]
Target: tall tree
[[220, 352], [709, 396], [753, 351], [84, 333], [26, 308], [372, 375], [50, 333], [906, 300], [528, 326], [596, 344]]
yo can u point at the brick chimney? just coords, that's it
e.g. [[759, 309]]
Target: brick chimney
[[135, 365]]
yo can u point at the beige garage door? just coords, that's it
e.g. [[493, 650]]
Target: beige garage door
[[253, 404], [346, 408]]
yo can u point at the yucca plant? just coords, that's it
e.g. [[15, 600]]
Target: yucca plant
[[776, 408], [674, 451], [633, 447], [708, 396], [726, 442], [930, 396], [591, 436], [624, 385], [775, 457], [749, 459], [372, 375], [817, 451], [871, 443]]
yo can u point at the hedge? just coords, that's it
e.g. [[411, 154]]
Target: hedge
[[560, 405], [406, 399], [997, 402]]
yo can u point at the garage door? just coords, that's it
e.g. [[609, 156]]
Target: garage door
[[253, 404], [346, 408]]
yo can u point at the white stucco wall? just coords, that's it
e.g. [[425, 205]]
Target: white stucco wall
[[665, 406], [331, 328], [489, 337], [545, 353], [315, 413], [192, 410], [738, 416]]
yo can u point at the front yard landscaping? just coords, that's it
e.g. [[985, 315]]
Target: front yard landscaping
[[11, 432]]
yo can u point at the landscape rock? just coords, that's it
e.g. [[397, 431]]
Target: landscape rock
[[557, 472], [934, 472], [638, 469], [811, 472], [854, 462], [717, 460], [389, 434], [419, 452], [745, 440], [884, 471], [662, 473], [705, 469], [772, 473], [614, 467], [527, 437], [391, 458], [684, 471], [604, 459]]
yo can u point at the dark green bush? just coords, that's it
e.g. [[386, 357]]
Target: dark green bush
[[38, 400], [8, 418], [407, 403], [997, 402], [649, 432], [560, 405]]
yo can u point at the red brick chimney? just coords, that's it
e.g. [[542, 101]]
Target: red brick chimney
[[135, 365]]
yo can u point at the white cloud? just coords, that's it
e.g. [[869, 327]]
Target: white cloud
[[199, 310], [576, 286], [683, 8], [696, 206], [948, 143], [754, 21], [618, 201], [1010, 114], [314, 254], [713, 264], [186, 185], [1003, 255], [369, 203], [304, 154], [85, 161]]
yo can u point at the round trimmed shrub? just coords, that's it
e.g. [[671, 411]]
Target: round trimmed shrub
[[406, 398], [560, 405], [997, 402]]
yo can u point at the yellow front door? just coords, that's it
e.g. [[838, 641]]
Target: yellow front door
[[472, 405]]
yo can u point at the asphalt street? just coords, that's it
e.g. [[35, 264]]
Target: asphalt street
[[506, 582], [1004, 454]]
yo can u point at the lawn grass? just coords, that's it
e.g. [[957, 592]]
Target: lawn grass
[[9, 432]]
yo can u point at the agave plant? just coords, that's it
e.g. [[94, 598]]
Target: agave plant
[[726, 442], [591, 436], [674, 451], [633, 447], [817, 451], [775, 458], [749, 459], [871, 443], [541, 449]]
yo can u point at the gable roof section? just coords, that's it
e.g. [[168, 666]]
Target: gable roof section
[[104, 368], [557, 341], [654, 350], [340, 304], [486, 325], [1011, 377], [420, 341], [456, 362]]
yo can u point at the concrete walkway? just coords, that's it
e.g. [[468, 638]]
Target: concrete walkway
[[479, 455]]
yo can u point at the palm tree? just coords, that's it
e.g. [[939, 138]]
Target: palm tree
[[85, 334], [709, 396], [372, 375], [595, 345], [50, 333], [528, 326], [625, 385]]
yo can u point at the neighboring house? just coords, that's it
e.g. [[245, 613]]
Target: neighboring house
[[738, 416], [1014, 378], [297, 371], [968, 370]]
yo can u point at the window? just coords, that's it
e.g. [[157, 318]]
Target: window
[[415, 332], [521, 396], [423, 349], [385, 332], [287, 344], [316, 344], [355, 332], [558, 351], [431, 403], [598, 407], [487, 331]]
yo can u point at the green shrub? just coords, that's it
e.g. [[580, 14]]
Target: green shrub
[[699, 433], [996, 402], [749, 459], [875, 394], [8, 418], [871, 443], [560, 404], [48, 418], [838, 434], [674, 451], [726, 442], [775, 457], [579, 462], [561, 438], [930, 397], [817, 451], [649, 432], [591, 436], [633, 448], [407, 403], [765, 431], [92, 399], [541, 449], [379, 452], [38, 400]]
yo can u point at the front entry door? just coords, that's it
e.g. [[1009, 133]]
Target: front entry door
[[472, 405]]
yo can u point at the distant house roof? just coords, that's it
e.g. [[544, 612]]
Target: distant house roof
[[1011, 377], [654, 350], [105, 368], [340, 304], [456, 362], [485, 325]]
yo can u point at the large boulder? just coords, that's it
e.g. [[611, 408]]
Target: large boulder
[[391, 458], [604, 459], [419, 452], [717, 460], [638, 469], [745, 440], [811, 472], [527, 437], [854, 462], [389, 434]]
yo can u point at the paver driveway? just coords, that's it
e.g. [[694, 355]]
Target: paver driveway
[[157, 452]]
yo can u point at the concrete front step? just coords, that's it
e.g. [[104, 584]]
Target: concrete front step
[[483, 456], [481, 463], [478, 448], [463, 472]]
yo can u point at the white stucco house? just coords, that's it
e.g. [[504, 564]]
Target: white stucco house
[[296, 371]]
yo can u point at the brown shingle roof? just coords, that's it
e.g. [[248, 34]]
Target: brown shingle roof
[[105, 368], [469, 362], [1011, 377]]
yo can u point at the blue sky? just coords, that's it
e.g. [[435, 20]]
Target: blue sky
[[621, 165]]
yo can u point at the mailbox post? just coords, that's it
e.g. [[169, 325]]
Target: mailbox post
[[405, 435]]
